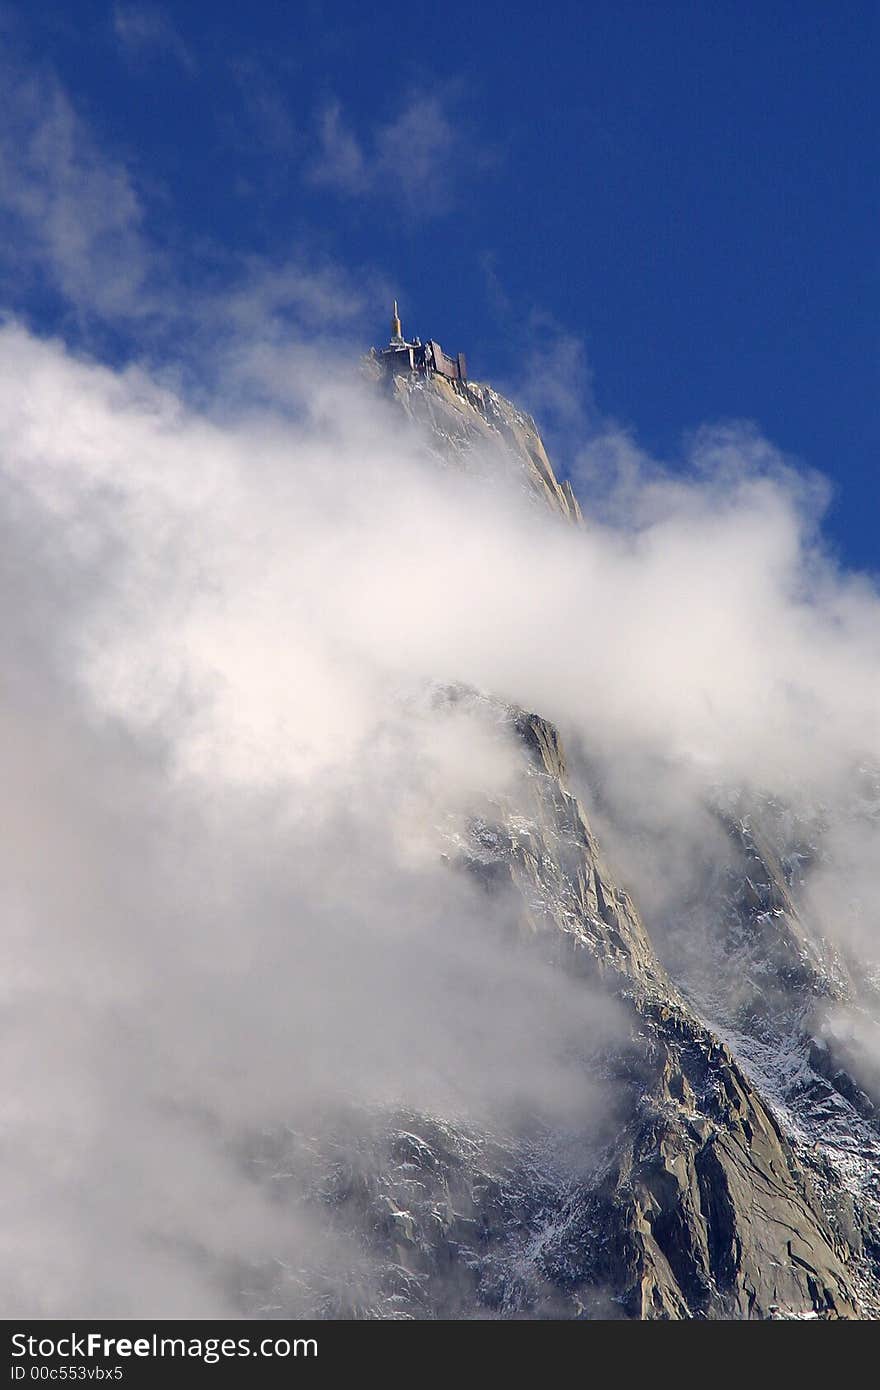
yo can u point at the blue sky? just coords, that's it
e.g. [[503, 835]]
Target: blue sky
[[674, 205]]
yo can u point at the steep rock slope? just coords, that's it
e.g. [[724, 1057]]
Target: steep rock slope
[[703, 1208], [794, 1010], [463, 420], [762, 973], [693, 1203], [738, 1178]]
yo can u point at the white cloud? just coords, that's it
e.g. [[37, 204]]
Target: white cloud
[[412, 162], [74, 213], [340, 163], [75, 221], [416, 152], [143, 30], [244, 810]]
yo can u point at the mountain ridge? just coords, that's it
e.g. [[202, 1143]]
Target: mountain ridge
[[712, 1197]]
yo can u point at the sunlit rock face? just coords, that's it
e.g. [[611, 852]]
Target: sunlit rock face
[[731, 1168], [465, 422]]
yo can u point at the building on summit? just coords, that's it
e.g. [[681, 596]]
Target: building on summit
[[416, 356]]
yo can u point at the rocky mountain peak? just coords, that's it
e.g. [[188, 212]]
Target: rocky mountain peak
[[740, 1176]]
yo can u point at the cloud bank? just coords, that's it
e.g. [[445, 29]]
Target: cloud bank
[[230, 795]]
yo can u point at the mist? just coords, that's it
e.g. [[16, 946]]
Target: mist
[[232, 796]]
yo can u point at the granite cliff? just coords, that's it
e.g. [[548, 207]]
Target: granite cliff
[[739, 1177]]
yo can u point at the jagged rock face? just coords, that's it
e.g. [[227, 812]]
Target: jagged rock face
[[739, 1176], [463, 418], [793, 1012], [546, 844], [703, 1208], [695, 1204]]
